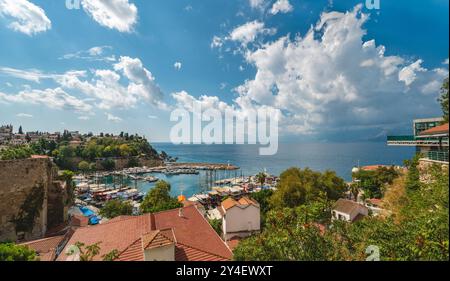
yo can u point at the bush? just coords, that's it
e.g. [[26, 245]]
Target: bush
[[115, 208], [297, 187], [108, 164], [13, 252], [216, 225], [158, 199]]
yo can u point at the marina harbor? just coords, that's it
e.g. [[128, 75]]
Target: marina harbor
[[93, 191]]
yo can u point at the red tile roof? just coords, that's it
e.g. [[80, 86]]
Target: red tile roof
[[373, 167], [438, 130], [346, 206], [157, 238], [233, 242], [45, 248], [39, 157], [375, 201], [244, 201], [187, 253], [195, 239]]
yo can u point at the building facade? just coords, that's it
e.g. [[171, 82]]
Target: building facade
[[240, 218], [348, 210], [430, 137]]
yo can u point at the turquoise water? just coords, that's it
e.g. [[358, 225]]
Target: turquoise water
[[339, 157]]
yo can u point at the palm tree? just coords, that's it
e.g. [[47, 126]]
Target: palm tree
[[261, 178], [354, 189]]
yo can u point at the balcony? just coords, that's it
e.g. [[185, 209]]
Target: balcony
[[441, 156], [412, 141], [401, 140]]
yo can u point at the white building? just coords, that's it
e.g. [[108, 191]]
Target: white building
[[241, 218], [18, 139], [348, 210]]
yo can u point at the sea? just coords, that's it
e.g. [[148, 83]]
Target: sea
[[338, 157]]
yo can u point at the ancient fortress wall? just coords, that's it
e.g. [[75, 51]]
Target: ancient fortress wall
[[18, 179]]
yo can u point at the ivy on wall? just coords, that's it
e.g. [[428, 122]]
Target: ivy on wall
[[30, 210]]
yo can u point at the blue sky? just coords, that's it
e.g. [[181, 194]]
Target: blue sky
[[123, 65]]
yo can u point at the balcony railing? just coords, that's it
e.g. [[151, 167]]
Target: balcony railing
[[438, 156], [412, 141]]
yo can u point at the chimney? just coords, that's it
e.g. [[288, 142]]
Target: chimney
[[180, 213], [152, 222]]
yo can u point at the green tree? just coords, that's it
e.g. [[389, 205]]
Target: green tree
[[111, 256], [125, 150], [289, 234], [443, 99], [261, 178], [13, 153], [108, 164], [374, 182], [133, 162], [93, 166], [13, 252], [84, 166], [67, 177], [90, 252], [115, 208], [354, 189], [64, 156], [413, 177], [263, 198], [216, 224], [159, 199], [297, 187]]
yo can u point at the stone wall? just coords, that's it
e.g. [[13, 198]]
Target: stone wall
[[17, 180], [425, 165]]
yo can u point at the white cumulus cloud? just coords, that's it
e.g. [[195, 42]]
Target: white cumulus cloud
[[332, 80], [249, 31], [114, 14], [24, 16], [281, 6], [256, 3], [409, 73], [53, 98], [125, 86]]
